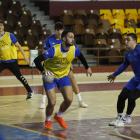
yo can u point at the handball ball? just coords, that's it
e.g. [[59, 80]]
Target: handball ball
[[47, 78]]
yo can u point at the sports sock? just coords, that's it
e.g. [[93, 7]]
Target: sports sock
[[127, 116], [48, 118], [120, 115], [79, 97], [43, 98], [60, 114]]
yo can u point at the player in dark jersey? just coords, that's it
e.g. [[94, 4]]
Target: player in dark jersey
[[131, 91]]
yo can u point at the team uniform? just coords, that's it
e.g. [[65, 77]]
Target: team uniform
[[58, 62], [131, 91], [131, 58], [51, 41], [8, 55]]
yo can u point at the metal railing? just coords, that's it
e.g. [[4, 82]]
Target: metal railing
[[94, 57]]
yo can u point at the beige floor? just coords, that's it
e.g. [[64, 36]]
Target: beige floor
[[101, 104]]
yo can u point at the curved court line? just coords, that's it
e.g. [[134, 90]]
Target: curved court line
[[124, 136], [32, 131]]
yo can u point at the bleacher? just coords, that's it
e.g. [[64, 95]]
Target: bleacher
[[23, 24], [103, 28]]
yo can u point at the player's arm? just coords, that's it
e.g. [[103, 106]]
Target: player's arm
[[121, 68], [45, 47], [43, 57], [84, 62], [21, 50], [14, 40], [79, 54]]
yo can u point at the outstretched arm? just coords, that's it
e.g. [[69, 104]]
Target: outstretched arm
[[120, 69], [112, 77]]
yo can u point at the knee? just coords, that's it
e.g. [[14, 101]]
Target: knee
[[131, 99], [121, 98], [52, 103], [68, 101]]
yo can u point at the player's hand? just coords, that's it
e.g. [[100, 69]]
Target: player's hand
[[111, 78], [26, 60], [88, 71], [71, 67], [47, 72]]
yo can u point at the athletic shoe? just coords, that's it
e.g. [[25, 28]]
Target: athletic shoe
[[82, 104], [48, 125], [29, 95], [113, 123], [60, 120], [119, 122], [42, 105], [126, 121]]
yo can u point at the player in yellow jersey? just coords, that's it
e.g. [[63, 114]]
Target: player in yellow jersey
[[57, 61], [50, 42], [8, 57]]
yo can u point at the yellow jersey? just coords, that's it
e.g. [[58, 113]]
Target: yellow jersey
[[7, 51], [59, 65]]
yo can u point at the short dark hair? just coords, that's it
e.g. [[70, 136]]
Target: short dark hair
[[134, 36], [64, 33], [59, 26], [1, 21]]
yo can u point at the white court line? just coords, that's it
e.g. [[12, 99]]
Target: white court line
[[5, 105], [88, 82]]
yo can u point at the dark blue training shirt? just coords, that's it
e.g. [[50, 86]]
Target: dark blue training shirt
[[131, 58], [51, 41]]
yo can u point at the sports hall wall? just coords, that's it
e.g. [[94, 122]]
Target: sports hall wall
[[56, 7]]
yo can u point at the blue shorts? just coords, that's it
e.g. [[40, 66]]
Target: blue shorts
[[132, 84], [61, 82]]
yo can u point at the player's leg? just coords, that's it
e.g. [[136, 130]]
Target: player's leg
[[68, 97], [76, 90], [133, 96], [2, 66], [129, 87], [14, 68], [64, 86], [120, 106], [51, 96], [42, 104]]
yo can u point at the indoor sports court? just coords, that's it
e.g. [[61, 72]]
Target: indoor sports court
[[21, 119], [100, 28]]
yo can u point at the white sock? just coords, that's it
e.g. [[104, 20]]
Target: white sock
[[120, 115], [60, 114], [79, 97], [43, 98], [48, 118], [127, 116]]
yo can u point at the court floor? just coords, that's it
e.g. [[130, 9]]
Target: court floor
[[21, 119]]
